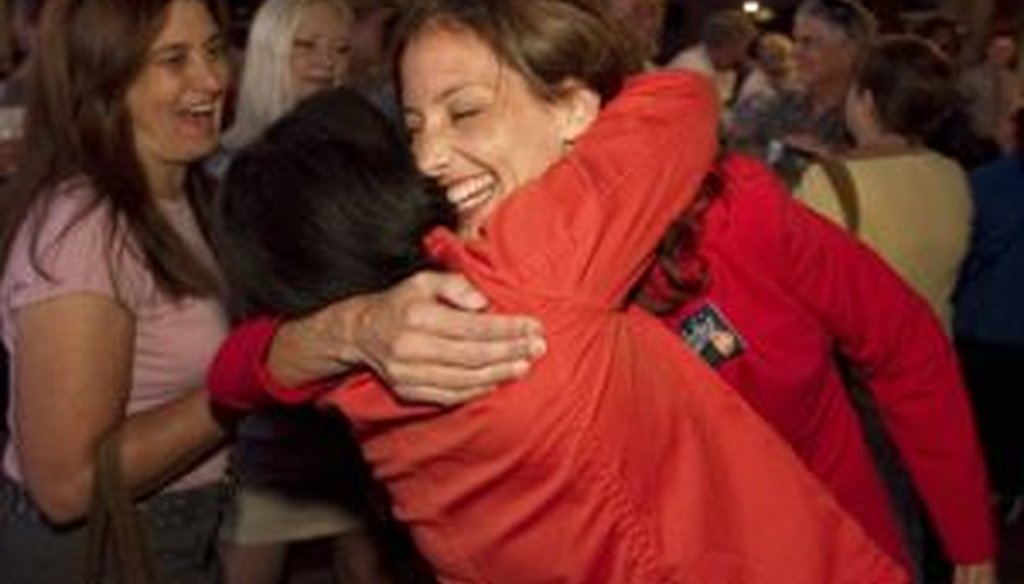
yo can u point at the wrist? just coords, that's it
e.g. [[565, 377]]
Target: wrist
[[314, 347]]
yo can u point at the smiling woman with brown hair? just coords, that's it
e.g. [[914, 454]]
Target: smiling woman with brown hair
[[110, 298]]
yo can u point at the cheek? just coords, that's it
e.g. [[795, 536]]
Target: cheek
[[534, 157]]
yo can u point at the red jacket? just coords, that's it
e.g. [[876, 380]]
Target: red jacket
[[621, 457], [795, 288]]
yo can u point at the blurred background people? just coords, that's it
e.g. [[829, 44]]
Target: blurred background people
[[370, 67], [295, 48], [773, 70], [991, 87], [722, 54], [989, 318], [911, 204], [24, 22], [829, 37], [644, 20], [946, 33]]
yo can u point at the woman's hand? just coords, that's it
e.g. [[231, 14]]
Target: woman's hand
[[426, 337], [979, 573]]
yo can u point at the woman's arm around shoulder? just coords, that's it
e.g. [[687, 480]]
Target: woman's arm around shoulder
[[426, 337]]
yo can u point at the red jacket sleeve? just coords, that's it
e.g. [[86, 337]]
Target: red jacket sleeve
[[909, 366], [238, 380], [595, 217]]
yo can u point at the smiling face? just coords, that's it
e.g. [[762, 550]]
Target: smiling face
[[175, 101], [1001, 50], [475, 125], [823, 54], [321, 49]]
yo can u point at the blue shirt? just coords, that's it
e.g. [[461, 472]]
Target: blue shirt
[[989, 302]]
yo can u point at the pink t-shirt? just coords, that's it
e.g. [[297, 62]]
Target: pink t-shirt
[[175, 340]]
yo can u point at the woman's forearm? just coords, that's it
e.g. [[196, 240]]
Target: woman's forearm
[[426, 337]]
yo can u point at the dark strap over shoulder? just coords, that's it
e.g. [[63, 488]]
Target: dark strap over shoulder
[[846, 191], [115, 531]]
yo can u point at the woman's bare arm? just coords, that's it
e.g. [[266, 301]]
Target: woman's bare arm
[[427, 337], [74, 366]]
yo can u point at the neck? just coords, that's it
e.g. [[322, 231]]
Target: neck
[[166, 181], [877, 141], [828, 95]]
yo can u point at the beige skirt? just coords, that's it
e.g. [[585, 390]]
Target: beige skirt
[[260, 515]]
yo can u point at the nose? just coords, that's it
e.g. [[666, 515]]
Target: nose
[[210, 73], [433, 151], [324, 57]]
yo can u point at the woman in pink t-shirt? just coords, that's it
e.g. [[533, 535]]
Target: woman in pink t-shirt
[[109, 298]]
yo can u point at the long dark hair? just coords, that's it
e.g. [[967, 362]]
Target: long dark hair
[[77, 122], [678, 262], [327, 204]]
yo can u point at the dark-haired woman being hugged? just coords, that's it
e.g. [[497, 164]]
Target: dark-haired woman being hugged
[[110, 305]]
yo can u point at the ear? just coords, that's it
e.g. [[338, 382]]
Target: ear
[[578, 106]]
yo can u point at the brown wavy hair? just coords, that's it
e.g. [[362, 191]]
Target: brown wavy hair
[[678, 258], [545, 41]]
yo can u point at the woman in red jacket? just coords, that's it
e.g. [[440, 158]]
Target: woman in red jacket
[[620, 457], [473, 152], [788, 291]]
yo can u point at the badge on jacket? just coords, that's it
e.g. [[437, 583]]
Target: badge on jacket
[[709, 333]]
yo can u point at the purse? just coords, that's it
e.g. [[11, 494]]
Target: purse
[[115, 538], [846, 191]]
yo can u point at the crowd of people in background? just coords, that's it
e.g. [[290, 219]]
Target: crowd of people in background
[[826, 301]]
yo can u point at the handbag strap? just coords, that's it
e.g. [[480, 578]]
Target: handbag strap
[[846, 191], [115, 531]]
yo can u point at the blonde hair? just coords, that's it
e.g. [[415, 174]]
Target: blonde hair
[[775, 54], [265, 92]]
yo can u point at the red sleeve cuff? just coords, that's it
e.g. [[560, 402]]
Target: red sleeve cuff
[[290, 395], [238, 379]]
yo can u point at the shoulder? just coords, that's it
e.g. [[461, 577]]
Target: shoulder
[[752, 197], [1008, 168], [68, 243], [688, 58], [750, 218], [66, 219], [749, 175]]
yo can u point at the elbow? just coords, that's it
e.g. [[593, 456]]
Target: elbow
[[60, 501]]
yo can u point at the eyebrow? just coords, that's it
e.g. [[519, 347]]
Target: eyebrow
[[443, 96], [183, 45]]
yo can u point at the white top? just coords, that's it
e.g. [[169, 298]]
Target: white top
[[696, 59]]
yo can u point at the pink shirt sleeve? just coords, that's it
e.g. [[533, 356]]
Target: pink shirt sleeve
[[81, 251], [71, 252]]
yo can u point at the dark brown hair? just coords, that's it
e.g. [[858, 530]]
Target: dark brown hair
[[77, 122], [678, 259], [912, 82]]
